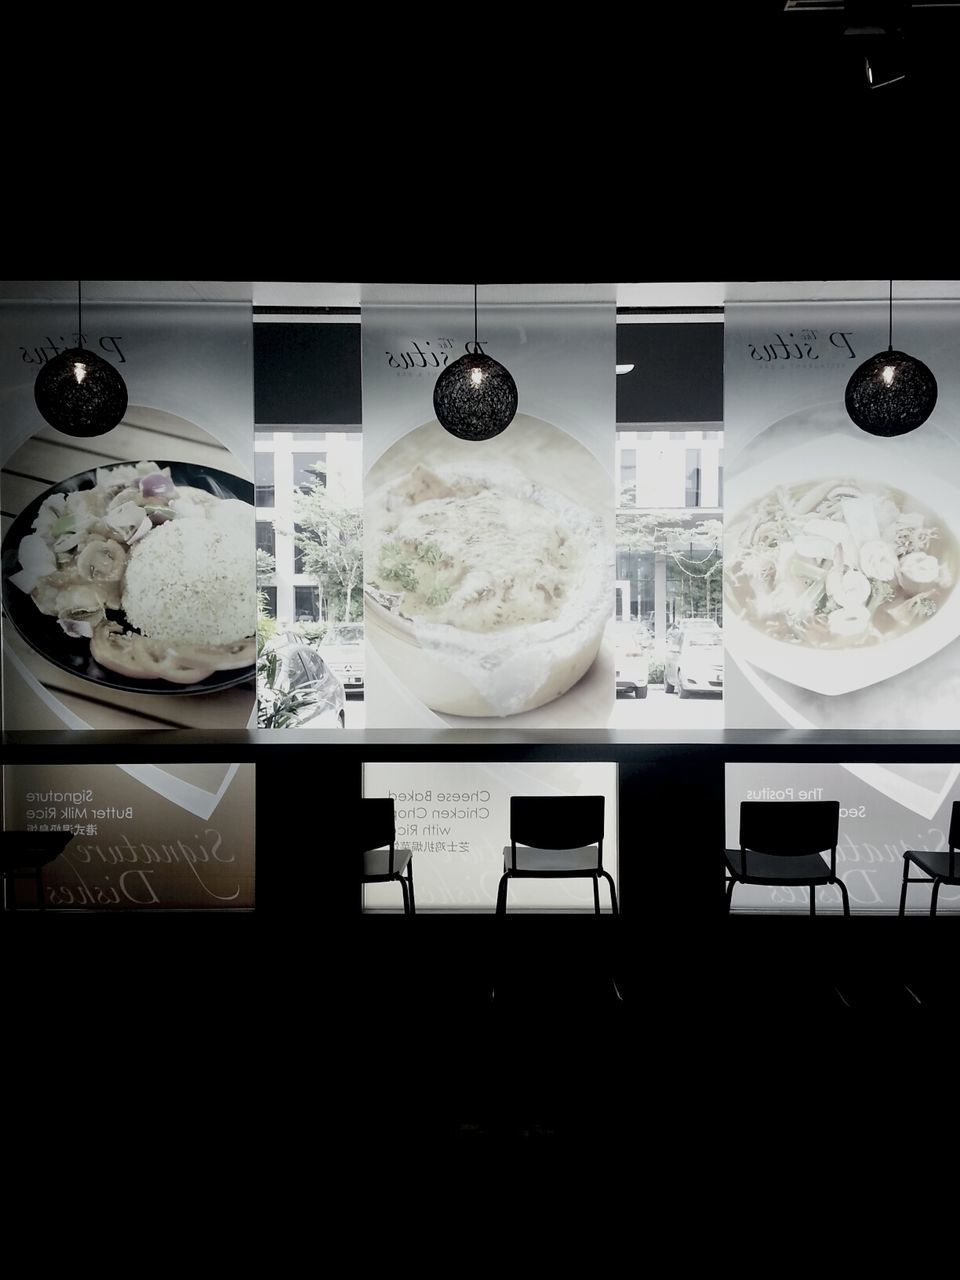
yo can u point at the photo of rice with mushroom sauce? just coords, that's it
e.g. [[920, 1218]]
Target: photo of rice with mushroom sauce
[[836, 563], [157, 579]]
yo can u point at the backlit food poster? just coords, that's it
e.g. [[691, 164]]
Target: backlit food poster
[[137, 837], [841, 552], [884, 811], [455, 820], [488, 565], [129, 586]]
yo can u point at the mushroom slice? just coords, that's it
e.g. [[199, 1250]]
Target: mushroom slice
[[102, 560]]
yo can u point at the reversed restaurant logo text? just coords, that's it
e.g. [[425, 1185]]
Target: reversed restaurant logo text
[[803, 347]]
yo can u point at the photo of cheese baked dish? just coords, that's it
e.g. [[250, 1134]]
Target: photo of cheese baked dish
[[138, 576], [488, 572]]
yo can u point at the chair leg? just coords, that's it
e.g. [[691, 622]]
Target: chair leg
[[934, 895], [502, 895], [596, 895], [406, 896], [730, 884], [843, 894], [903, 887], [813, 899], [613, 893], [413, 902]]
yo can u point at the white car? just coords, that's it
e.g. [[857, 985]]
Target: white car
[[632, 644], [342, 650], [694, 661]]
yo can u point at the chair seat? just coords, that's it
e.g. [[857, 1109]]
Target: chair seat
[[935, 864], [768, 868], [560, 861], [376, 862]]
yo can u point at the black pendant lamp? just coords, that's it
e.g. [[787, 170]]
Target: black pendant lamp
[[475, 398], [78, 392], [891, 393]]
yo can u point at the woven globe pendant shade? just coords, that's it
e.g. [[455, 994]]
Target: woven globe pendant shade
[[80, 394], [475, 398], [891, 393]]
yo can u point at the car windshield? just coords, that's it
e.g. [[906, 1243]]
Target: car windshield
[[703, 642], [344, 635]]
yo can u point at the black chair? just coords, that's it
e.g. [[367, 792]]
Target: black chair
[[24, 853], [560, 837], [941, 868], [781, 843], [380, 860]]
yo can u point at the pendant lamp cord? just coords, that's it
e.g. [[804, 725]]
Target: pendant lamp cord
[[79, 317], [476, 344], [890, 329]]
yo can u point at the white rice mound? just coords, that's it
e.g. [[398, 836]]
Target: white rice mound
[[192, 581]]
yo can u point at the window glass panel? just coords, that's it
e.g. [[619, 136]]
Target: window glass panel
[[628, 477], [306, 467], [266, 537], [692, 491], [306, 604], [263, 474]]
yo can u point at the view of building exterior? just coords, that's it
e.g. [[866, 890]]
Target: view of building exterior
[[669, 512], [285, 462]]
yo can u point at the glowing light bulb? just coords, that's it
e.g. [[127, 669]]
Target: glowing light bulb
[[476, 376], [887, 375], [79, 371]]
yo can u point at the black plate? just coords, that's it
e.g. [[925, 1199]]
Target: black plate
[[44, 633]]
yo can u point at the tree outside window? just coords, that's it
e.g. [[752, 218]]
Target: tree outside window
[[329, 537]]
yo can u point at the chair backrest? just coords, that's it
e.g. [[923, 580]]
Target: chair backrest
[[953, 839], [557, 822], [786, 828], [376, 826]]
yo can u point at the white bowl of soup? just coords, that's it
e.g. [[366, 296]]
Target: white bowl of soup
[[841, 560]]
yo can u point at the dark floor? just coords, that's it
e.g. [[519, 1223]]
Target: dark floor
[[384, 1041]]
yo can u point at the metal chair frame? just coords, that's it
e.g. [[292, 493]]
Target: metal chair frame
[[916, 856], [377, 831], [776, 829], [570, 822]]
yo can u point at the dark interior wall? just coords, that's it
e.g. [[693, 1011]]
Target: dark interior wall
[[310, 374], [306, 374], [677, 374]]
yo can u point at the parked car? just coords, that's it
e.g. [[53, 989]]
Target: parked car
[[296, 688], [632, 644], [694, 660], [691, 624], [342, 650]]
